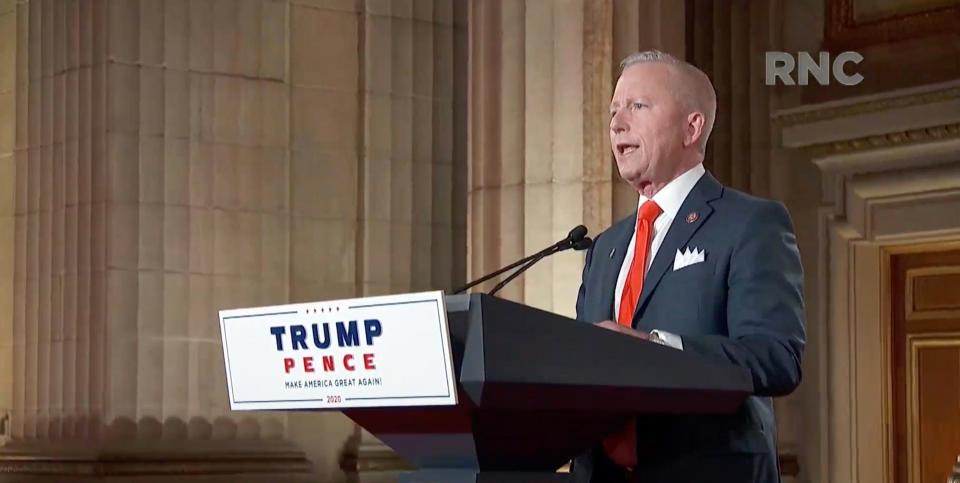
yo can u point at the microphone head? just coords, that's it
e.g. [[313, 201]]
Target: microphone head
[[577, 233], [583, 243]]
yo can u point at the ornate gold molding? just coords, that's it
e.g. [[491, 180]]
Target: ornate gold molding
[[887, 140], [793, 118]]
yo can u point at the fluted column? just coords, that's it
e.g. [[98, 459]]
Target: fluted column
[[151, 169], [59, 286], [413, 126], [412, 170], [8, 183], [538, 138], [178, 157], [729, 41]]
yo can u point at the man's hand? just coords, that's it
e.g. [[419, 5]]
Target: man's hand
[[611, 325]]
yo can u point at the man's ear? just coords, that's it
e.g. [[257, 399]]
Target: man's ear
[[693, 128]]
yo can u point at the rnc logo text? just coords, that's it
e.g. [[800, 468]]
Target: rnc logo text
[[780, 66]]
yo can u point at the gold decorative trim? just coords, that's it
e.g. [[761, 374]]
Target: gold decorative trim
[[915, 273], [914, 344], [787, 119], [880, 141]]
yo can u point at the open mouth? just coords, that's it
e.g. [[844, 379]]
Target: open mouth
[[626, 148]]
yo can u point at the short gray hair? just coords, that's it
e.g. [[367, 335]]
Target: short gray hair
[[649, 56], [702, 95]]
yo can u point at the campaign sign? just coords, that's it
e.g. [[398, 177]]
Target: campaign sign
[[367, 352]]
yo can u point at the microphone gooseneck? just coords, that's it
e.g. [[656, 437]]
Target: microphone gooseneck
[[582, 243], [574, 237]]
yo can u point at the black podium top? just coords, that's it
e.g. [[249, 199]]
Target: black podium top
[[536, 389]]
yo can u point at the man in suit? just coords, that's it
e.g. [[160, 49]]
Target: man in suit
[[698, 267]]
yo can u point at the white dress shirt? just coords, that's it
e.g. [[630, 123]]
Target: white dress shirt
[[670, 198]]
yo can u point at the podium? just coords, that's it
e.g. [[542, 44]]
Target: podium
[[535, 389]]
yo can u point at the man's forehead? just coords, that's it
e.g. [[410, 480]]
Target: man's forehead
[[638, 82], [646, 74]]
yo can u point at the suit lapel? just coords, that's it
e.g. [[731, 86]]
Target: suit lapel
[[679, 233], [620, 240]]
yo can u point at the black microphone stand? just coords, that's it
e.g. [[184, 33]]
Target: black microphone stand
[[575, 237], [515, 264], [578, 245], [504, 282]]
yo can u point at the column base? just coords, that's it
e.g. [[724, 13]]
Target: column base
[[156, 461]]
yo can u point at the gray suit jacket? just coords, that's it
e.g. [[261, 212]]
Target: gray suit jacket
[[742, 305]]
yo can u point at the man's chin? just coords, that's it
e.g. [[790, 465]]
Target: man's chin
[[634, 177], [636, 181]]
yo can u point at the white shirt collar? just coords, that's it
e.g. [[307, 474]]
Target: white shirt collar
[[672, 195]]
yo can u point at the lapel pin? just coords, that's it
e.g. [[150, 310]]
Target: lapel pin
[[692, 217], [612, 251]]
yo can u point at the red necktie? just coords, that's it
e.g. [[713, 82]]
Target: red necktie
[[633, 286], [621, 447]]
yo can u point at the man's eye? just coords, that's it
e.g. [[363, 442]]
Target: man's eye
[[637, 105]]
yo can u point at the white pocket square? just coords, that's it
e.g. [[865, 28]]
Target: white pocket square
[[687, 257]]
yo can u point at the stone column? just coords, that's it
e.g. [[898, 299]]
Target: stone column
[[413, 125], [178, 157], [411, 234], [151, 159], [8, 180], [728, 41], [538, 136], [322, 182]]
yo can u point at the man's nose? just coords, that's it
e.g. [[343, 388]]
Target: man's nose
[[617, 124]]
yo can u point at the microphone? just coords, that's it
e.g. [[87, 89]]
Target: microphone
[[577, 234], [581, 244]]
